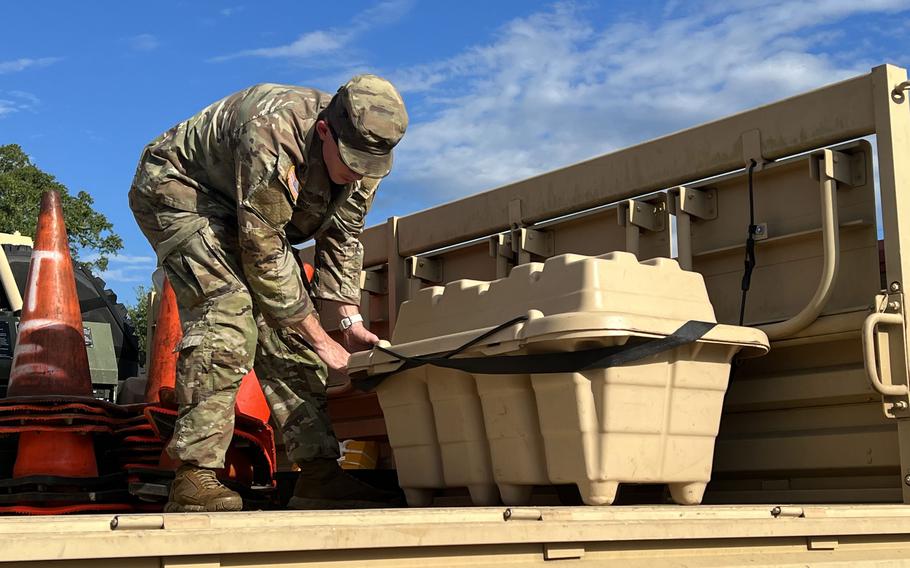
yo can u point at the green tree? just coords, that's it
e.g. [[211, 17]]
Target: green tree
[[21, 186], [139, 315]]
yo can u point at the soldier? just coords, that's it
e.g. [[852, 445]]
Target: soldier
[[221, 197]]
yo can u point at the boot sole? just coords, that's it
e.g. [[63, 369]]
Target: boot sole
[[304, 503], [218, 507]]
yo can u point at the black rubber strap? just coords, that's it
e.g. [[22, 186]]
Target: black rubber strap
[[571, 362]]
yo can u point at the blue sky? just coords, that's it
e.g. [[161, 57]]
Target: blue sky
[[497, 90]]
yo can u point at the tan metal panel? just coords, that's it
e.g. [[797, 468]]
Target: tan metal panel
[[829, 115], [790, 256]]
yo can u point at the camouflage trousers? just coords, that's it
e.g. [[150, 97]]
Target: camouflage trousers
[[224, 336]]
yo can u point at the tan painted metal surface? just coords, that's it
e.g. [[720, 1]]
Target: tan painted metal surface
[[639, 536]]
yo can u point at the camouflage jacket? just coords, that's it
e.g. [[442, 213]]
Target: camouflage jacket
[[256, 152]]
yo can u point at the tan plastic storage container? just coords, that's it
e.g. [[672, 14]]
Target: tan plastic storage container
[[650, 421]]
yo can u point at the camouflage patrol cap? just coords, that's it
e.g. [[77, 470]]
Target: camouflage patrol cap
[[368, 117]]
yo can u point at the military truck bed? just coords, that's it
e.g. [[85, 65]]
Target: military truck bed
[[819, 420], [626, 536]]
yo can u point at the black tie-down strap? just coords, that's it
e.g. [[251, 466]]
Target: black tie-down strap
[[567, 362]]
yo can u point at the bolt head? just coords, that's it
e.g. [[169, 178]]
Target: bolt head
[[907, 479], [895, 287], [900, 405], [894, 305]]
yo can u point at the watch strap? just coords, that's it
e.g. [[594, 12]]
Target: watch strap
[[348, 321]]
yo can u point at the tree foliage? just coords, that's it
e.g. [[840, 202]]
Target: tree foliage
[[21, 186], [139, 315]]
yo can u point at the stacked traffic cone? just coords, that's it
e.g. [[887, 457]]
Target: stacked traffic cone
[[162, 372], [49, 398]]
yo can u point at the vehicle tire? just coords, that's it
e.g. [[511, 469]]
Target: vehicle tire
[[98, 303]]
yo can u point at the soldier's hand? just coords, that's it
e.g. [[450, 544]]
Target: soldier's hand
[[330, 351], [359, 338], [333, 355]]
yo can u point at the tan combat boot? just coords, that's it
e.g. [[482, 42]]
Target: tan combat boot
[[322, 484], [196, 489]]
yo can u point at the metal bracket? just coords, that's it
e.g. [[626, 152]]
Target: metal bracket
[[501, 246], [520, 245], [644, 215], [849, 169], [563, 550], [534, 241], [374, 282], [515, 213], [424, 268], [822, 543], [700, 203], [751, 145]]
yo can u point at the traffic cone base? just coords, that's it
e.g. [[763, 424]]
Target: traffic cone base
[[58, 454]]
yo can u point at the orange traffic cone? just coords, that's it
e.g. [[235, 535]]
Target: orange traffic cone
[[50, 358], [251, 400], [308, 271], [163, 359]]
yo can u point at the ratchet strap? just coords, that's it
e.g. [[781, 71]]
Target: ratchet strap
[[567, 362]]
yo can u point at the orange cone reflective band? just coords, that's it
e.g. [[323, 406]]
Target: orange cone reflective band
[[162, 358], [50, 357], [251, 400], [61, 454]]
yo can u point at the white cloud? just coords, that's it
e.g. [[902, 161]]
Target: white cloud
[[332, 40], [552, 89], [16, 65], [144, 42], [17, 101], [125, 268], [230, 11]]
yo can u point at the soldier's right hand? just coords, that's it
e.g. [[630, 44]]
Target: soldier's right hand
[[330, 351], [333, 355]]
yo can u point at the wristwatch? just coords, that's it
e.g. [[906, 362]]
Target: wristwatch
[[348, 321]]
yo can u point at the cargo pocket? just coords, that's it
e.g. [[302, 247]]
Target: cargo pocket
[[194, 377], [199, 270]]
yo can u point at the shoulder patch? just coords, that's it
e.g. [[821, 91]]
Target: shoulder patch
[[293, 184]]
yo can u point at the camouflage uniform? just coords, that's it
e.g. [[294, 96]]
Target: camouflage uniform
[[221, 197]]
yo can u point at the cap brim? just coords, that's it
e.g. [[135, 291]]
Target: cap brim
[[365, 163]]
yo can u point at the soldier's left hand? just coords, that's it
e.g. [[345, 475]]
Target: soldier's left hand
[[359, 338]]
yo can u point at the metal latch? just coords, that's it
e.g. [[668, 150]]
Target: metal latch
[[884, 355]]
